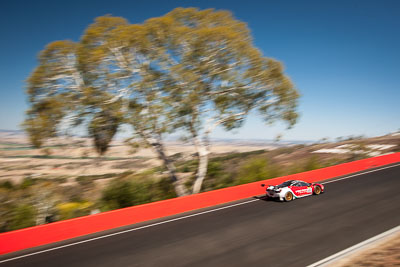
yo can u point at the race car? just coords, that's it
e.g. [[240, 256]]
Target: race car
[[292, 189]]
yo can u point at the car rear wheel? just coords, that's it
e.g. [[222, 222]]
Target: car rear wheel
[[317, 190], [288, 196]]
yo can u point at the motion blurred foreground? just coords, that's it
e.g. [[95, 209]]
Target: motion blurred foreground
[[66, 178]]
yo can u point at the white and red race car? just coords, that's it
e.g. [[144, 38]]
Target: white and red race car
[[292, 189]]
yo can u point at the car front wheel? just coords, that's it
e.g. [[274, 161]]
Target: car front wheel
[[288, 196], [317, 190]]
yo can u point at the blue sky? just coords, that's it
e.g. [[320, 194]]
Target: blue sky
[[343, 56]]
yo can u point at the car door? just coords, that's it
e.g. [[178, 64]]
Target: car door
[[301, 189]]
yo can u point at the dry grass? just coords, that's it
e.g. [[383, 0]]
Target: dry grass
[[381, 254]]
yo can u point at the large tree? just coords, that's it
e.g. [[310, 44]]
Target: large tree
[[218, 76], [190, 70], [122, 61], [53, 88]]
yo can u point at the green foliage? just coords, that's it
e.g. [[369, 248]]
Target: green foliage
[[312, 164], [27, 182], [48, 107], [102, 129], [71, 210], [22, 216], [255, 170], [125, 193], [217, 176], [162, 189], [333, 161], [191, 165], [240, 155], [87, 180], [84, 180], [239, 168], [223, 171], [188, 166], [118, 195], [6, 185], [214, 169]]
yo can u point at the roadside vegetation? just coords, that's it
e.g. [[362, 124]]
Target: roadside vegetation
[[39, 200]]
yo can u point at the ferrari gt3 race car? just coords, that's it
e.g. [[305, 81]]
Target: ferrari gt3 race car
[[292, 189]]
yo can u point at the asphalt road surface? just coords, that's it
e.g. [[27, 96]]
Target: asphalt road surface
[[256, 233]]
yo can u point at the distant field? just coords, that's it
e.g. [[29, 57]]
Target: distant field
[[71, 157], [75, 156]]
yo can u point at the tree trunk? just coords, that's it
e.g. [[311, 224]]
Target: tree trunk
[[43, 205], [202, 153], [180, 188], [202, 147]]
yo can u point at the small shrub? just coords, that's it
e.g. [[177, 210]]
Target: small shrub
[[312, 164], [118, 195], [254, 170], [21, 217], [7, 185], [139, 190], [84, 180], [188, 166], [27, 182], [163, 189], [71, 210], [215, 176]]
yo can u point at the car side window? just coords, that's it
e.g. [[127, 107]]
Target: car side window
[[303, 184]]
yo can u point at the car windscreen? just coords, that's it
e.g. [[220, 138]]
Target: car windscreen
[[284, 184]]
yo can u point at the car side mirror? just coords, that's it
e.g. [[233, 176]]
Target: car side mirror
[[262, 185]]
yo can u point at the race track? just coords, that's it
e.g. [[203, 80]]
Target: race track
[[258, 232]]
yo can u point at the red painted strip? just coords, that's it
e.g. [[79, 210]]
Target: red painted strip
[[58, 231]]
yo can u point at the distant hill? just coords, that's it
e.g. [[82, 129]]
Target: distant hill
[[12, 134], [12, 131]]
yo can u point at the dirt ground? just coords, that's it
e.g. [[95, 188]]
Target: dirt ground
[[384, 253]]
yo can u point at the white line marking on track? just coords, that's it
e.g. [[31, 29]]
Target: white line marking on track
[[354, 248], [347, 177], [129, 230], [171, 220]]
